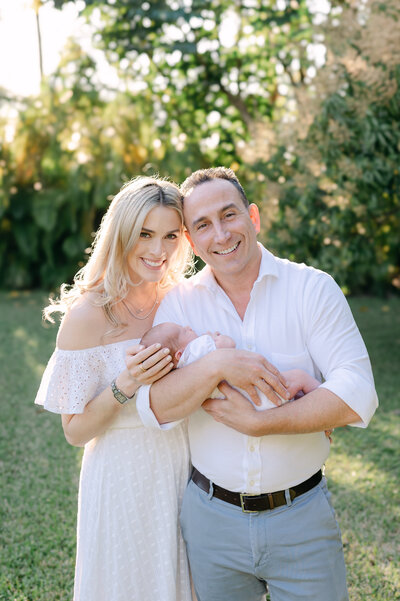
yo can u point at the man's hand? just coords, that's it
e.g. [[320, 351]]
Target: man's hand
[[182, 392], [249, 371], [235, 410], [318, 411]]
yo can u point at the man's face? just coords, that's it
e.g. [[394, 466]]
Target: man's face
[[222, 230]]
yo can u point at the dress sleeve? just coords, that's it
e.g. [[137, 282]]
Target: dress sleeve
[[70, 380]]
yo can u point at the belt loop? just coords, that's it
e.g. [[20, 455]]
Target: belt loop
[[288, 497], [211, 491]]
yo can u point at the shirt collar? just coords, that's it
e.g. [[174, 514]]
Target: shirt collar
[[268, 267]]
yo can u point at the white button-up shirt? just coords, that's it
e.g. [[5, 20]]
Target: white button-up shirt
[[297, 317]]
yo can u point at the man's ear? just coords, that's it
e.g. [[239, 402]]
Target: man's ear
[[255, 217], [178, 355], [190, 241]]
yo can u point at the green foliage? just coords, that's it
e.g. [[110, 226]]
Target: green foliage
[[213, 69], [207, 83], [71, 152], [339, 208]]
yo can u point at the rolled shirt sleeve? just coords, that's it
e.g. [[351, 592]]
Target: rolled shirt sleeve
[[338, 349], [145, 411]]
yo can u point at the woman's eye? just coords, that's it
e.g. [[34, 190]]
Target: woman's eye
[[144, 235], [172, 236]]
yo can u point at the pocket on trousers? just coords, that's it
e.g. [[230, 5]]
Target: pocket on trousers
[[186, 508], [325, 497]]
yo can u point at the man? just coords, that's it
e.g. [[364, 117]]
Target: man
[[257, 511]]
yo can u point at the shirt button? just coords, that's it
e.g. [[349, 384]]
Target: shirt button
[[252, 448], [251, 482]]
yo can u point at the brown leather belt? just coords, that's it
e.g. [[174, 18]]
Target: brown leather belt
[[254, 503]]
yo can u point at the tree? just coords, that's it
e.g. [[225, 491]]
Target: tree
[[36, 4], [71, 151], [339, 208], [219, 72]]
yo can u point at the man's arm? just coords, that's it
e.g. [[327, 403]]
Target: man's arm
[[316, 411], [182, 391], [347, 396]]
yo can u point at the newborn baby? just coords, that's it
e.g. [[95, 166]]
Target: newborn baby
[[186, 346]]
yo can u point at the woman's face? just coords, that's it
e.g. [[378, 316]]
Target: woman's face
[[158, 241]]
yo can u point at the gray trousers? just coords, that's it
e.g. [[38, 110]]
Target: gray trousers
[[295, 550]]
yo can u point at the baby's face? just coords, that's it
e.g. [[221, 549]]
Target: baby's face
[[185, 335], [222, 341]]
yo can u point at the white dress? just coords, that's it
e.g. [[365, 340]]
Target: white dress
[[129, 544]]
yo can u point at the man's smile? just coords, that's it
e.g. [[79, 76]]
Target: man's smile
[[228, 250]]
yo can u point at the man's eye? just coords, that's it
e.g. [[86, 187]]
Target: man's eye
[[201, 226], [229, 214]]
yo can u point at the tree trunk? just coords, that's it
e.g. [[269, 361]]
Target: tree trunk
[[36, 7]]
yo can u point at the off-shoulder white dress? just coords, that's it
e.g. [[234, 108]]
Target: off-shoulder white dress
[[129, 545]]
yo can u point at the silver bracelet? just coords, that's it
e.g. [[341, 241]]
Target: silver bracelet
[[119, 395]]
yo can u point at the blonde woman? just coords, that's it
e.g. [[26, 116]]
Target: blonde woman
[[129, 545]]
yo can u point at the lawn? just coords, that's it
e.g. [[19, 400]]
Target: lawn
[[39, 471]]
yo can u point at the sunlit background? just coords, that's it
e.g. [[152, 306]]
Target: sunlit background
[[299, 97]]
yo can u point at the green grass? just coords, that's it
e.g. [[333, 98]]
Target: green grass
[[364, 466], [39, 471]]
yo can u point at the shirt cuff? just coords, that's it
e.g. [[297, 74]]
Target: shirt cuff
[[145, 412], [359, 395]]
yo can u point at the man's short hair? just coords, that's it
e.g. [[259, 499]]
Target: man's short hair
[[207, 175]]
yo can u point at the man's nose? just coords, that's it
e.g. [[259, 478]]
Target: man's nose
[[221, 234]]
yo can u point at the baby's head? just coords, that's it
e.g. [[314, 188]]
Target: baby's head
[[176, 338], [170, 335]]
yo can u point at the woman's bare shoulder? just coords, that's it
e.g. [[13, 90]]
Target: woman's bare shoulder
[[83, 325]]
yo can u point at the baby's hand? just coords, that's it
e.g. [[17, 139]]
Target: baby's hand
[[299, 382]]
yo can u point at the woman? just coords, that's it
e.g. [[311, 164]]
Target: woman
[[132, 479]]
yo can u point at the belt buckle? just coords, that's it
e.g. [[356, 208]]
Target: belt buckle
[[242, 494]]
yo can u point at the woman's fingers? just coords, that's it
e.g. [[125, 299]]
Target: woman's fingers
[[147, 357], [154, 359], [154, 370], [141, 353], [149, 364], [162, 373]]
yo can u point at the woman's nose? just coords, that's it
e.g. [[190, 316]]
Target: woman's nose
[[157, 248]]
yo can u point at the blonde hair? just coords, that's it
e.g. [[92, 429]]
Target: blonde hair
[[106, 272]]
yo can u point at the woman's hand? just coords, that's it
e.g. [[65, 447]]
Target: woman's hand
[[146, 365], [143, 367]]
